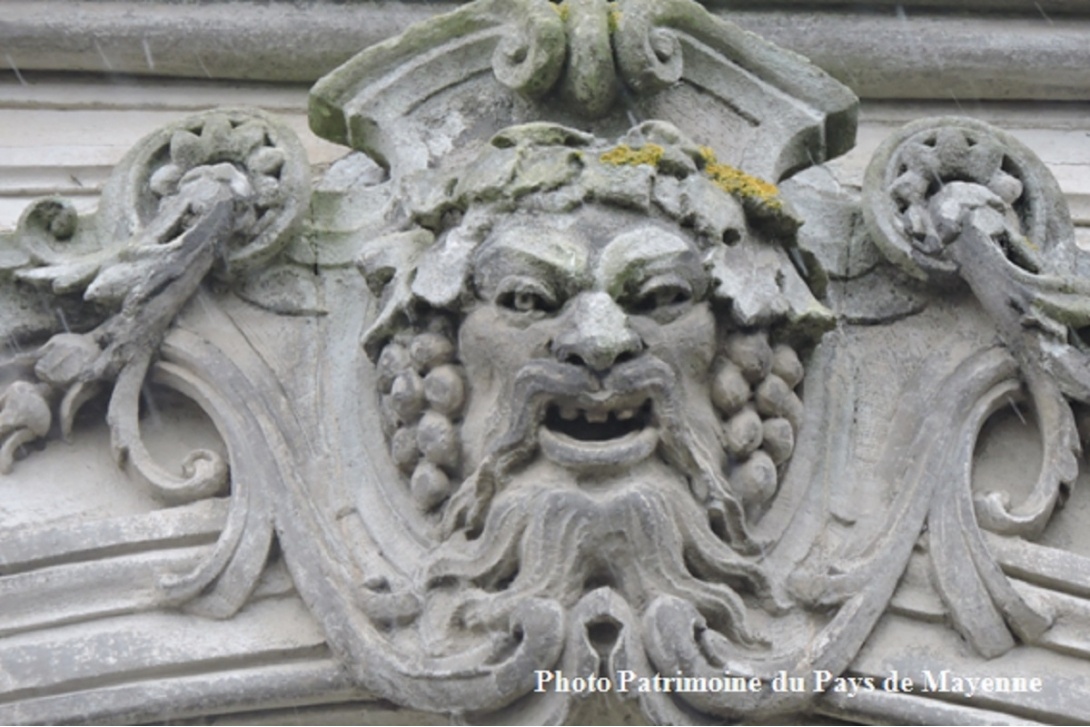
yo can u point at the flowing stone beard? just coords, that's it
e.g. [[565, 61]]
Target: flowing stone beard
[[555, 510], [604, 429]]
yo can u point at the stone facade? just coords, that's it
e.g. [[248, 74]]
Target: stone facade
[[576, 388]]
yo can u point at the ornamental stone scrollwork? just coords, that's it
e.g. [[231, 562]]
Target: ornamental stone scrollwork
[[209, 199], [954, 201], [571, 367]]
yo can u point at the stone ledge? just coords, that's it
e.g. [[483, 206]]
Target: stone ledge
[[1044, 8], [889, 52]]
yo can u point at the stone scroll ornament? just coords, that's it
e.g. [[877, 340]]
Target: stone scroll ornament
[[561, 398], [203, 202], [957, 203]]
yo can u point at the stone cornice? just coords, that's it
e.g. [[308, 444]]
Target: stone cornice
[[902, 50]]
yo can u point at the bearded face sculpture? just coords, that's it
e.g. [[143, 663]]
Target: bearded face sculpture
[[576, 394], [579, 445]]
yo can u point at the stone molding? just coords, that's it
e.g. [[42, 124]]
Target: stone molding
[[883, 54]]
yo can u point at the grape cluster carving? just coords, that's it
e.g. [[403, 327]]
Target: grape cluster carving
[[423, 396], [754, 390]]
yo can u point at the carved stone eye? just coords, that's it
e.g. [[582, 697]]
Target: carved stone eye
[[523, 295], [661, 293]]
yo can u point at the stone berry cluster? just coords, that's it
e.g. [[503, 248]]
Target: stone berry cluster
[[754, 391], [423, 394]]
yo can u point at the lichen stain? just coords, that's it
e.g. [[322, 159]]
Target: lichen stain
[[735, 182], [623, 154], [613, 18]]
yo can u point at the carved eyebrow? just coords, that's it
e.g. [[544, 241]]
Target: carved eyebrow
[[647, 249], [545, 252]]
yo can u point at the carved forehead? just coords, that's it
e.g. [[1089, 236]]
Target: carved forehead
[[735, 225], [557, 241], [645, 243], [593, 242]]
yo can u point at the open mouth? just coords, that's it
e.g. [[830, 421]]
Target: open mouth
[[617, 431], [598, 424]]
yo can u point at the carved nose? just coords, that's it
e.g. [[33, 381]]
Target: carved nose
[[596, 333]]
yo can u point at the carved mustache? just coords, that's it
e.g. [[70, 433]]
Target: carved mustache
[[538, 384], [542, 382]]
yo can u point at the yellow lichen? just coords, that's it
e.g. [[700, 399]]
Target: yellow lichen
[[624, 154], [562, 10], [736, 182], [613, 19]]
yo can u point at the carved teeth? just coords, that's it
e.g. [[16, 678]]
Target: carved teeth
[[611, 412]]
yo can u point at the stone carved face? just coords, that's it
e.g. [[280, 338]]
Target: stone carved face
[[590, 357], [588, 393], [589, 309]]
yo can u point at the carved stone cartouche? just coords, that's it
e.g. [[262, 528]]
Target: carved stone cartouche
[[520, 394], [575, 382]]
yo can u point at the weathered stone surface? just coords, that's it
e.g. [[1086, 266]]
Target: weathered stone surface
[[883, 49], [522, 394]]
